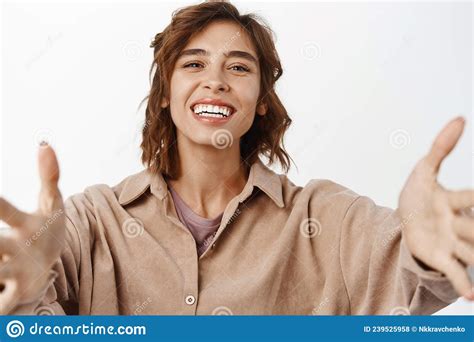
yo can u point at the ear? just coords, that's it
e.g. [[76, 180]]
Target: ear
[[262, 109], [164, 103]]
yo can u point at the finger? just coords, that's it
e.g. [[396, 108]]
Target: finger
[[465, 252], [458, 276], [8, 295], [11, 215], [7, 246], [464, 228], [50, 198], [444, 143], [460, 199], [7, 270]]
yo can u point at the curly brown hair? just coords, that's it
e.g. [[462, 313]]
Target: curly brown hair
[[265, 136]]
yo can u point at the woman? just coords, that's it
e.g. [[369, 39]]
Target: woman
[[207, 228]]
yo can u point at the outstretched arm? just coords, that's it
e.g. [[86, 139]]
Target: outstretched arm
[[439, 233]]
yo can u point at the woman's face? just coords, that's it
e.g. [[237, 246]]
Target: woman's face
[[219, 63]]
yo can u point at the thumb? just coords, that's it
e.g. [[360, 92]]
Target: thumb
[[50, 198], [445, 142]]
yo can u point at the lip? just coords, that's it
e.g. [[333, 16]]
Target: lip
[[215, 102]]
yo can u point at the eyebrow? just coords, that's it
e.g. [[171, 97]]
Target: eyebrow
[[234, 53]]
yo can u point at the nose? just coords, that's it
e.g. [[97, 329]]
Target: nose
[[215, 82]]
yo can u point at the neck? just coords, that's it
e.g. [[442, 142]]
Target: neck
[[209, 177]]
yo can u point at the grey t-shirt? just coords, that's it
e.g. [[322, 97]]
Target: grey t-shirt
[[203, 229]]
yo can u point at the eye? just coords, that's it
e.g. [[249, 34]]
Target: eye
[[242, 68], [239, 68], [192, 63]]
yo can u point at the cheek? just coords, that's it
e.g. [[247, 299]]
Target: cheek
[[248, 92], [248, 96], [179, 94], [180, 117], [242, 123], [176, 90], [249, 104]]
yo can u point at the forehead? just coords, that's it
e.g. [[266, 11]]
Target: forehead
[[222, 36]]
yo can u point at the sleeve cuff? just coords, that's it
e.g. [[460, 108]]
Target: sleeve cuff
[[432, 279], [51, 277]]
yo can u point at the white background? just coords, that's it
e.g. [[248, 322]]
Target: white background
[[368, 86]]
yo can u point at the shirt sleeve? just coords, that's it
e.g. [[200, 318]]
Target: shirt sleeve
[[61, 295], [381, 275]]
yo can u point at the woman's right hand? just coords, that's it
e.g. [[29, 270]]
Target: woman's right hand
[[34, 243]]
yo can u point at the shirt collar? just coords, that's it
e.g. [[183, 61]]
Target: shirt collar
[[260, 175]]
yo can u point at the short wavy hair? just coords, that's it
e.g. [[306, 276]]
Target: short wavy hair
[[265, 136]]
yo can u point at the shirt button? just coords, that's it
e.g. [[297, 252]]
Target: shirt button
[[190, 300]]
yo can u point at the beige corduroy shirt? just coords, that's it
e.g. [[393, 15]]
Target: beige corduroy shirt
[[320, 249]]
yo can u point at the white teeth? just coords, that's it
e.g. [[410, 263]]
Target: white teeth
[[212, 111], [211, 115]]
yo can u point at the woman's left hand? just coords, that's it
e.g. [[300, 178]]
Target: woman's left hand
[[435, 229]]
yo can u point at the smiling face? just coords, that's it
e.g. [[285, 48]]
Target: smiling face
[[219, 63]]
